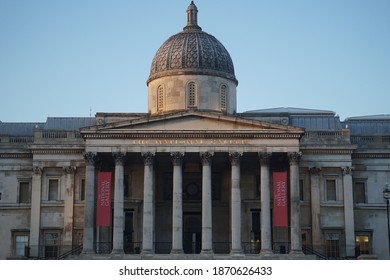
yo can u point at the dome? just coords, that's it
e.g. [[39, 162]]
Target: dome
[[192, 51]]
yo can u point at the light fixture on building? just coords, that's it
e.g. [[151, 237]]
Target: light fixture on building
[[386, 195]]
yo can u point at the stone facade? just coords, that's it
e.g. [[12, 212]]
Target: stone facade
[[195, 180]]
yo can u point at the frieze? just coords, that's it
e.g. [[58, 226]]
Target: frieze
[[56, 152], [6, 155]]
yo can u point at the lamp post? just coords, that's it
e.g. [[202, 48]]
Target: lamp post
[[386, 195]]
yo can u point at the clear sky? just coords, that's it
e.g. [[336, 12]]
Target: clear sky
[[74, 58]]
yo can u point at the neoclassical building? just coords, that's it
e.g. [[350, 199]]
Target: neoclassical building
[[192, 177]]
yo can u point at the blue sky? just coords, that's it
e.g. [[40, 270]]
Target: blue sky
[[72, 58]]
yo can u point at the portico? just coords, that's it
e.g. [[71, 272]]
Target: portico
[[190, 191]]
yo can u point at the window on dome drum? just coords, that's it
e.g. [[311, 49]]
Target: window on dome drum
[[223, 98], [359, 192], [191, 94], [160, 98]]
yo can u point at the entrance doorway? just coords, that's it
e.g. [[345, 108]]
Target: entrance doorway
[[192, 233]]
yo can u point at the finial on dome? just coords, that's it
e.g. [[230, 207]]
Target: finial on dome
[[192, 17]]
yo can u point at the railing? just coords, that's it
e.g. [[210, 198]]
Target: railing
[[49, 252], [61, 252], [76, 250]]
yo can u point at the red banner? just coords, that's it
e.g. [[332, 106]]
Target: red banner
[[103, 200], [280, 210]]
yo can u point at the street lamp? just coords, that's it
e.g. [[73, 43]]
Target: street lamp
[[386, 195]]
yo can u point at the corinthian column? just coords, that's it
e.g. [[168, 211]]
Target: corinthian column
[[35, 221], [236, 203], [207, 243], [68, 204], [296, 242], [266, 245], [118, 223], [348, 211], [177, 203], [315, 208], [148, 231], [89, 203]]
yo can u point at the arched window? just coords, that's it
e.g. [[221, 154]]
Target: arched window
[[191, 94], [223, 97], [160, 98]]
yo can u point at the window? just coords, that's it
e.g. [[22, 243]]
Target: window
[[301, 197], [359, 192], [255, 230], [51, 241], [331, 190], [82, 190], [24, 192], [191, 94], [53, 189], [362, 242], [160, 98], [223, 97], [21, 242], [127, 185], [332, 245]]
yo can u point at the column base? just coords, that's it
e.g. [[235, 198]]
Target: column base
[[147, 252], [117, 252], [236, 252], [296, 252], [266, 252], [207, 252], [177, 252]]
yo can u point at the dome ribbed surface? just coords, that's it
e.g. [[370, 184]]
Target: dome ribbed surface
[[192, 51]]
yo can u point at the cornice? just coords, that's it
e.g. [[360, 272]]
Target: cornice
[[190, 135]]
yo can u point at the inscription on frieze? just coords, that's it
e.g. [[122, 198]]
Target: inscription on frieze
[[189, 142]]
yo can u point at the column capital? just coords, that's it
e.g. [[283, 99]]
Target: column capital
[[69, 169], [206, 157], [235, 158], [119, 158], [346, 170], [90, 158], [177, 158], [37, 170], [294, 158], [148, 158], [315, 170], [264, 157]]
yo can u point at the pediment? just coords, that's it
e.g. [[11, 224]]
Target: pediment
[[192, 121]]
